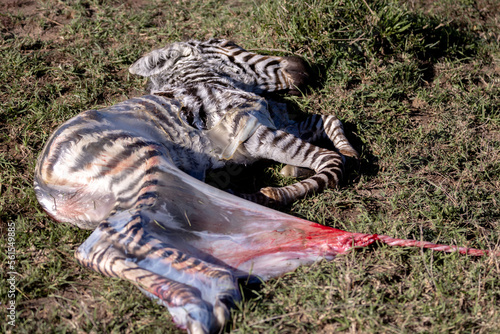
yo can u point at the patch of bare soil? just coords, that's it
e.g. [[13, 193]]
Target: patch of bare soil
[[27, 7], [29, 20], [33, 19], [420, 113], [477, 13]]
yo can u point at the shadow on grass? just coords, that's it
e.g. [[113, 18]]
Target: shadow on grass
[[396, 34]]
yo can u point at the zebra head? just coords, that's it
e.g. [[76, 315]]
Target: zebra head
[[221, 62]]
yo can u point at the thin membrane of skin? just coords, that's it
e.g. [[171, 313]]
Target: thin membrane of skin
[[133, 172]]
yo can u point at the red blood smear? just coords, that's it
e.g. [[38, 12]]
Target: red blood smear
[[317, 240]]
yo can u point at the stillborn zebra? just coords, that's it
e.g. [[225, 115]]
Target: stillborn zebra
[[132, 173]]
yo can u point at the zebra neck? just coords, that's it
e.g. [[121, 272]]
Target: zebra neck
[[203, 106]]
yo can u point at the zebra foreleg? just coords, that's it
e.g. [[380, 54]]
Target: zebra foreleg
[[286, 148], [196, 293]]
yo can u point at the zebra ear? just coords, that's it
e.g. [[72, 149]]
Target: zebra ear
[[159, 60]]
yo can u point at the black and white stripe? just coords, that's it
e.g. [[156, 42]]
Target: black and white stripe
[[121, 170]]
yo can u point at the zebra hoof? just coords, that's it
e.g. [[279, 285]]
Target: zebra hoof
[[297, 172], [349, 152], [196, 327], [273, 196], [221, 314]]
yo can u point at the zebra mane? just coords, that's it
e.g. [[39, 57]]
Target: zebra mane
[[161, 60]]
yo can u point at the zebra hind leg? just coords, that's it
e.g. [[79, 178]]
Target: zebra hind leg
[[313, 129], [197, 294], [286, 148]]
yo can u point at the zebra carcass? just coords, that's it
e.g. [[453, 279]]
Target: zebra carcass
[[133, 173]]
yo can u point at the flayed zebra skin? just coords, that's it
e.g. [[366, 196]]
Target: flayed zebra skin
[[133, 172]]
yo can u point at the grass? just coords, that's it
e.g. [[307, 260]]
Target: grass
[[417, 86]]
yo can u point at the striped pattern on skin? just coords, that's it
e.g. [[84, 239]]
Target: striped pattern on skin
[[131, 173], [230, 79], [327, 165]]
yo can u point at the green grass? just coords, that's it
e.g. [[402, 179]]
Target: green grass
[[417, 85]]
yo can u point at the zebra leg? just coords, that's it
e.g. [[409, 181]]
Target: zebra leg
[[179, 298], [286, 148], [329, 127], [319, 127], [195, 292]]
